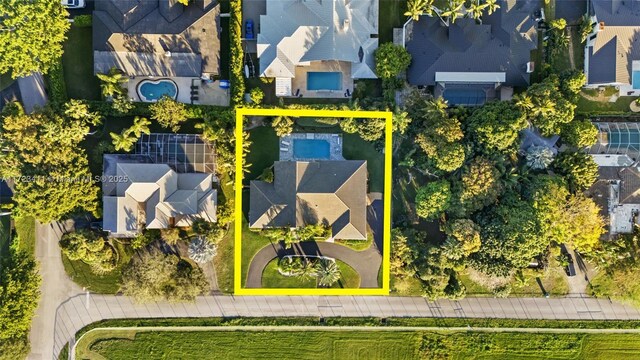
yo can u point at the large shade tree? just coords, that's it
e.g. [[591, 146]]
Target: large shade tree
[[496, 125], [31, 35]]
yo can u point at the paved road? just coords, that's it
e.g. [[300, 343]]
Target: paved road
[[56, 288], [366, 262], [81, 310]]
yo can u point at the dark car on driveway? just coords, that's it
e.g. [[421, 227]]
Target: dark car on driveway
[[570, 269], [248, 30]]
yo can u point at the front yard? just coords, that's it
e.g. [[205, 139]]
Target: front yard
[[77, 62], [271, 278]]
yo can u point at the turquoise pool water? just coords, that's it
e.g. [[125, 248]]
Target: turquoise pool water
[[324, 81], [636, 80], [465, 96], [311, 149], [154, 90]]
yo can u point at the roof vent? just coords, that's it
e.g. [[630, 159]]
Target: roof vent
[[601, 25], [167, 53], [345, 24]]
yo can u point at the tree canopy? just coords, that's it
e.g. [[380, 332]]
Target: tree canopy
[[391, 60], [579, 168], [580, 133], [31, 36], [546, 106], [478, 187], [93, 250], [433, 199], [495, 126], [169, 113]]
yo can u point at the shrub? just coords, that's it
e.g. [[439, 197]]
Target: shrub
[[86, 246], [57, 86], [169, 113], [83, 21], [236, 63], [257, 95], [391, 60], [170, 236]]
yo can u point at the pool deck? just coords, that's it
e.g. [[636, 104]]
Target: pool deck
[[300, 81], [208, 93], [334, 140]]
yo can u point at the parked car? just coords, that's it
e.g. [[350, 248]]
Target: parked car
[[248, 29], [570, 269], [74, 4]]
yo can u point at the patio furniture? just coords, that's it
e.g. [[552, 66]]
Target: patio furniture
[[193, 87], [224, 84], [194, 98], [284, 149], [194, 92], [297, 93], [285, 143], [348, 92]]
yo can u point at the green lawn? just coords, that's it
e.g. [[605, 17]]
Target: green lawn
[[354, 148], [77, 62], [617, 285], [108, 283], [25, 228], [621, 105], [263, 151], [252, 242], [353, 344], [391, 16], [271, 278], [223, 262]]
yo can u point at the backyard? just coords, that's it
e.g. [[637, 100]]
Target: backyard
[[77, 62], [349, 343]]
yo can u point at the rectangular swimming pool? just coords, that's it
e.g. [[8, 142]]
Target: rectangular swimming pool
[[310, 149], [465, 96], [635, 81], [324, 81]]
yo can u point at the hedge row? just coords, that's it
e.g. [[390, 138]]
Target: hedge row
[[236, 63], [57, 87], [142, 109]]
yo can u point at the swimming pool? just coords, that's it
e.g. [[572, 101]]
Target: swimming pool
[[310, 149], [153, 90], [465, 96], [324, 81], [636, 80]]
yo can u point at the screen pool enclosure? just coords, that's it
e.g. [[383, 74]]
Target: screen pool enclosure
[[617, 138], [182, 152]]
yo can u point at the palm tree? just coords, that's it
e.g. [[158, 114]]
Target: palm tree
[[140, 126], [111, 83], [283, 125], [539, 157], [416, 8], [524, 102], [124, 141], [476, 9], [327, 272], [491, 6], [454, 10]]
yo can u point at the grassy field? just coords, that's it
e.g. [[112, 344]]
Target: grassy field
[[391, 16], [353, 344], [587, 106], [108, 283], [263, 151], [271, 278], [77, 62], [25, 228], [354, 148], [616, 285]]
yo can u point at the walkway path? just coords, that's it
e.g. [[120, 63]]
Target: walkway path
[[56, 287], [32, 90], [366, 262], [79, 311]]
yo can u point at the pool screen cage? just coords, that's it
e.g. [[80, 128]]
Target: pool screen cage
[[617, 138], [182, 152]]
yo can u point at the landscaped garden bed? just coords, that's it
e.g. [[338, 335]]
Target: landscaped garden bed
[[296, 271]]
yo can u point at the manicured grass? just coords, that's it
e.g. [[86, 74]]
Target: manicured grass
[[108, 283], [263, 151], [252, 242], [353, 344], [26, 232], [391, 16], [357, 245], [271, 278], [405, 286], [618, 285], [621, 105], [578, 47], [354, 148], [77, 62], [223, 262]]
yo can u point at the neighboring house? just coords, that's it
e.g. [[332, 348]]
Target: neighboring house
[[468, 62], [330, 192], [617, 190], [150, 39], [318, 47], [169, 182], [612, 53]]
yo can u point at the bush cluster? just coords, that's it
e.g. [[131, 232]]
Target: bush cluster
[[57, 87], [237, 54], [83, 21]]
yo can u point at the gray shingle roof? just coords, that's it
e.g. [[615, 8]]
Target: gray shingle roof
[[135, 35], [617, 44], [330, 192], [502, 43]]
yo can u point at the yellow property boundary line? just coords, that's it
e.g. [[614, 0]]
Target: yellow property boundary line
[[386, 251]]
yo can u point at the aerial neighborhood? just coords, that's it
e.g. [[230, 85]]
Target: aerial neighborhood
[[356, 179]]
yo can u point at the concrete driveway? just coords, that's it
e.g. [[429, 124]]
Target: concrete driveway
[[32, 91]]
